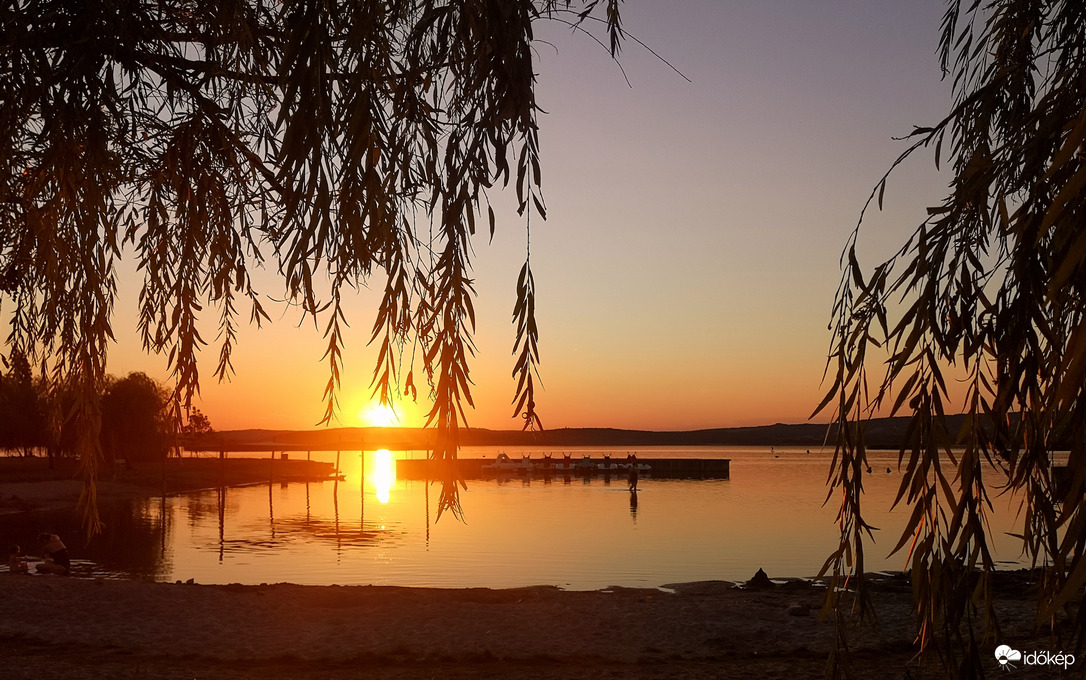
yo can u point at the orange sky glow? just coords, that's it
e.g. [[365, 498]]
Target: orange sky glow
[[687, 269]]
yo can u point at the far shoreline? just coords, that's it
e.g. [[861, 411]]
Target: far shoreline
[[880, 433]]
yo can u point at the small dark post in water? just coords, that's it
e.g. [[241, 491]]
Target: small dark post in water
[[222, 520], [335, 509], [162, 523], [271, 510], [222, 464]]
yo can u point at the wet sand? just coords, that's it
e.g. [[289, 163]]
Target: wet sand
[[58, 627]]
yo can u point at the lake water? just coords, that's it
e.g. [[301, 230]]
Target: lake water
[[577, 534]]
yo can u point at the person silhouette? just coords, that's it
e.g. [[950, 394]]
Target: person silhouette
[[17, 563], [55, 554]]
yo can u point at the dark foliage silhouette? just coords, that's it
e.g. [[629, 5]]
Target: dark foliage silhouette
[[333, 142], [990, 285], [136, 426]]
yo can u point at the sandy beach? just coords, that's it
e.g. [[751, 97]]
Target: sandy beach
[[58, 627]]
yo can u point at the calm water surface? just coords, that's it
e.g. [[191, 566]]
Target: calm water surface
[[575, 534]]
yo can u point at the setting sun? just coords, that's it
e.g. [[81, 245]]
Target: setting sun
[[378, 415]]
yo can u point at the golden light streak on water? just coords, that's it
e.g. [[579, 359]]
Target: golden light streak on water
[[384, 474]]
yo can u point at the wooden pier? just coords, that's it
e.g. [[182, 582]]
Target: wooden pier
[[230, 471], [658, 468]]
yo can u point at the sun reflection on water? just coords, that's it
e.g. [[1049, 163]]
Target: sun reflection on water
[[770, 514], [384, 474]]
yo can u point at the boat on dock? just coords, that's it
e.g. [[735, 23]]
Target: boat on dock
[[565, 465], [609, 466], [503, 463], [586, 466]]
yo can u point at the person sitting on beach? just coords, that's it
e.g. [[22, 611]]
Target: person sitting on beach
[[55, 554], [16, 563]]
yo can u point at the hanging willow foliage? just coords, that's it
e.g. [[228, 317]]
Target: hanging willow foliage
[[329, 140], [992, 283]]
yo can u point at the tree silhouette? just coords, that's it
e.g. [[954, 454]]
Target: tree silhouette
[[23, 408], [991, 282], [327, 140], [197, 423], [136, 425]]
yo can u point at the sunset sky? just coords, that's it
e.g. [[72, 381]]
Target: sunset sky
[[686, 273]]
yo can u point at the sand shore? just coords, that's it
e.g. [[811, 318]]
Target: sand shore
[[57, 627], [28, 484]]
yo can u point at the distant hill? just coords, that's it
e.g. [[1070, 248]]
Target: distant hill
[[880, 433]]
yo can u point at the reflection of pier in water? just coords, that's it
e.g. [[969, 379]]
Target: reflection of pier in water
[[336, 530], [283, 467], [580, 466]]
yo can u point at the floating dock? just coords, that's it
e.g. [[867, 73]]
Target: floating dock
[[658, 468]]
